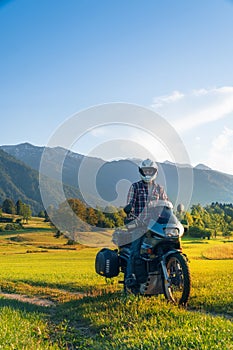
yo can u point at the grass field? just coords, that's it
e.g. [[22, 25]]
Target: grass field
[[87, 312]]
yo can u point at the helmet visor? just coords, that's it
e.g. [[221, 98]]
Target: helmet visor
[[148, 171]]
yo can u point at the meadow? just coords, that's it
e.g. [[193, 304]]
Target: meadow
[[51, 298]]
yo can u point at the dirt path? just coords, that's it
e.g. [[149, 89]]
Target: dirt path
[[27, 299], [48, 303], [36, 300]]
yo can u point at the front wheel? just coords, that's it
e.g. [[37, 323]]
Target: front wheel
[[178, 284]]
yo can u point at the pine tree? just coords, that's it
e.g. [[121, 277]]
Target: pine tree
[[8, 206], [19, 207], [26, 213]]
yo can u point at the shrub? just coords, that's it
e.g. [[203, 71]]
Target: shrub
[[13, 227], [71, 242], [58, 234], [3, 219], [227, 234], [199, 233], [18, 238]]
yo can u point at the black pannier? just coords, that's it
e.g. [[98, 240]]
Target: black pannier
[[107, 263]]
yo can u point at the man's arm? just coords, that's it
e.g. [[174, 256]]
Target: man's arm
[[131, 198]]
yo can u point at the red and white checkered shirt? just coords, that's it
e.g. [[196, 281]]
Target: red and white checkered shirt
[[139, 196]]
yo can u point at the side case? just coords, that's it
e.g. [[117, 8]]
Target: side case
[[107, 263]]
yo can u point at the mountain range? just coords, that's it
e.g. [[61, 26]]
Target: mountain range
[[99, 182], [20, 181]]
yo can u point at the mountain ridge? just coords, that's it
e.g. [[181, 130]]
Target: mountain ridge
[[15, 150], [20, 181], [112, 179]]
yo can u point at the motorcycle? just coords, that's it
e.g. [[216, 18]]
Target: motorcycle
[[162, 267]]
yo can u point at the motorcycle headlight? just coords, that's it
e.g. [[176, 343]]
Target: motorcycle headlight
[[171, 232]]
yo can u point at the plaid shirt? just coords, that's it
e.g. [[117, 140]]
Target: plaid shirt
[[138, 197]]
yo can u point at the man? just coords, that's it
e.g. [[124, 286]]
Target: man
[[140, 193]]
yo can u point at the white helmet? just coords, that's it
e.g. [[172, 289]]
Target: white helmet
[[148, 170]]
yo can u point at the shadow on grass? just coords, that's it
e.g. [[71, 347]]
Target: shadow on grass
[[58, 331], [80, 324], [69, 324], [26, 230], [56, 293], [15, 285], [195, 242]]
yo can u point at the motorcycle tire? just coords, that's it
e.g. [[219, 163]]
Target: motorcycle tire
[[179, 286]]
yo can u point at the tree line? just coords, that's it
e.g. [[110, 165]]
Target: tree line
[[210, 220], [18, 208], [200, 221], [108, 217]]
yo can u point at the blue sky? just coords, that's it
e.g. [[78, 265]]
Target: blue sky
[[174, 57]]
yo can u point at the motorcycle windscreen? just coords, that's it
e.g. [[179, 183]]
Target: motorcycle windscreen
[[163, 216]]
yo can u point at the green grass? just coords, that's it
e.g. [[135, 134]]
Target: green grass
[[113, 321], [23, 327], [90, 313]]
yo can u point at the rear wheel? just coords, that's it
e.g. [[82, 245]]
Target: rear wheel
[[177, 288]]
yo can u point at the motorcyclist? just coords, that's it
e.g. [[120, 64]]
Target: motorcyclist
[[139, 195]]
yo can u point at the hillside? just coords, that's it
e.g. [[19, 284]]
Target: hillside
[[31, 155], [19, 181], [208, 185]]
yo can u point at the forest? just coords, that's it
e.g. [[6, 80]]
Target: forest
[[200, 221]]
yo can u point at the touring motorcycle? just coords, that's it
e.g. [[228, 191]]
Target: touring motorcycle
[[162, 267]]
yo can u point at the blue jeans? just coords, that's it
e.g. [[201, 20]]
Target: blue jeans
[[134, 251]]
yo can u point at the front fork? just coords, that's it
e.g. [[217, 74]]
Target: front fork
[[167, 280], [166, 276]]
